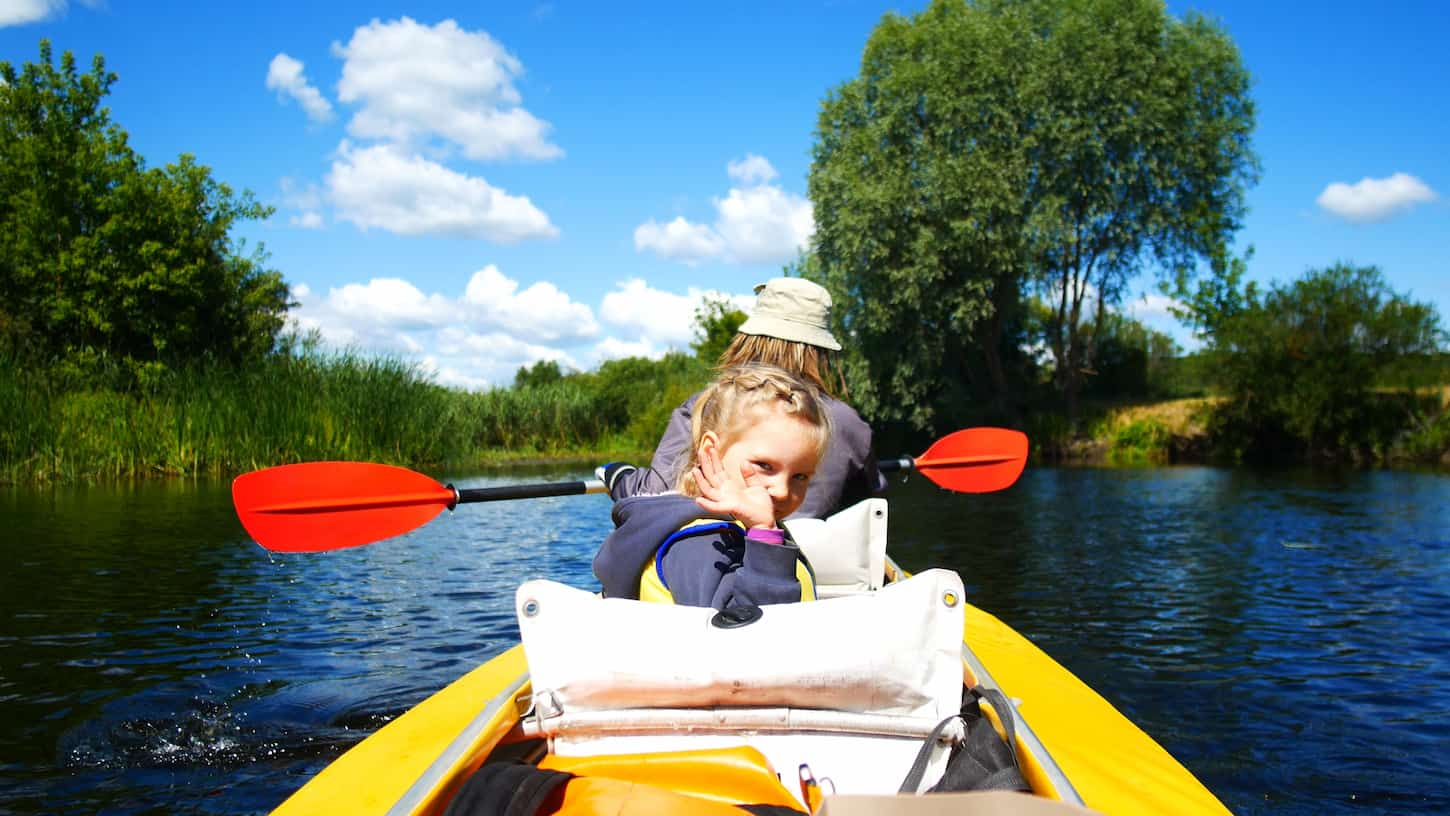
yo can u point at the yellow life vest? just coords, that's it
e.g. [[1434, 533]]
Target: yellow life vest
[[652, 584]]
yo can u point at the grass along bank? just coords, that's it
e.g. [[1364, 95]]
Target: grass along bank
[[315, 407], [1400, 428], [58, 427]]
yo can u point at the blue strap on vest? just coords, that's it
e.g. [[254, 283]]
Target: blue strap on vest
[[682, 533]]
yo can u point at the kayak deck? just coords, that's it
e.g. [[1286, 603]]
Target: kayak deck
[[414, 764]]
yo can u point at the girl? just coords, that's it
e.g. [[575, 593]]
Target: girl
[[758, 434], [789, 329]]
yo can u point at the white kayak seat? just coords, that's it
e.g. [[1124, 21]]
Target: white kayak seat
[[847, 551], [895, 652]]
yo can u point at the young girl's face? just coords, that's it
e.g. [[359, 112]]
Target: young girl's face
[[777, 451]]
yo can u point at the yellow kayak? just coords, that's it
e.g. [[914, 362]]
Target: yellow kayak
[[819, 707]]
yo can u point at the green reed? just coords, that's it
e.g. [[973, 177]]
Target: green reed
[[288, 409]]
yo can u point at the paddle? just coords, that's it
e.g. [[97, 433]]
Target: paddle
[[317, 506]]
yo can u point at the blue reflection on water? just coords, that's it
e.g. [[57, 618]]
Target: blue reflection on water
[[1284, 634]]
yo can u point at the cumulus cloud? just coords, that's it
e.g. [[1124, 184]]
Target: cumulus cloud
[[679, 240], [21, 12], [756, 222], [423, 97], [658, 319], [751, 170], [613, 348], [1152, 306], [480, 337], [306, 202], [764, 224], [415, 82], [284, 75], [381, 186], [1372, 199], [1155, 310], [540, 312]]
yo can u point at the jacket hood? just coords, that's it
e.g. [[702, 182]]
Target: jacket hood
[[641, 524]]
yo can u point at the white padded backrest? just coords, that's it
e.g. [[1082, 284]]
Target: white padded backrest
[[896, 651], [848, 550]]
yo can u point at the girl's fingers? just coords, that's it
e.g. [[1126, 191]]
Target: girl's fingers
[[747, 473]]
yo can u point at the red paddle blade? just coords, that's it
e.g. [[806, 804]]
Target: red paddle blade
[[316, 506], [975, 460]]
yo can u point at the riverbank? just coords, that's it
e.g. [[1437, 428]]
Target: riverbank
[[216, 423], [1193, 431]]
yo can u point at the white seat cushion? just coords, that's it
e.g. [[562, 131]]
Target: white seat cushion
[[896, 652], [848, 550]]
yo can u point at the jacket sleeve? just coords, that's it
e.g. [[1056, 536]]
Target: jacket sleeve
[[728, 569], [864, 478], [660, 476]]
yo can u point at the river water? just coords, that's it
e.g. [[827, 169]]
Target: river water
[[1285, 634]]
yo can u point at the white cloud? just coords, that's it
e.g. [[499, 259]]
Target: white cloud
[[765, 224], [1375, 199], [21, 12], [661, 319], [756, 223], [1151, 306], [391, 303], [482, 336], [495, 325], [306, 200], [751, 170], [612, 348], [416, 82], [380, 186], [679, 240], [284, 75], [540, 312], [1154, 310]]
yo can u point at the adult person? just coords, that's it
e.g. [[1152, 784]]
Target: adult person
[[789, 328], [758, 438]]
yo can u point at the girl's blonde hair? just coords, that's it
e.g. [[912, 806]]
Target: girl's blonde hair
[[814, 364], [737, 399]]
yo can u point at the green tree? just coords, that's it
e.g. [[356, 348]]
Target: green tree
[[1130, 358], [101, 256], [994, 147], [1300, 363], [716, 320], [541, 374]]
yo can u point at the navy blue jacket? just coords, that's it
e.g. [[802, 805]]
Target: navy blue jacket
[[718, 569]]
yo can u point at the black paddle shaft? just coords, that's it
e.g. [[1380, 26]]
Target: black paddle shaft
[[532, 491]]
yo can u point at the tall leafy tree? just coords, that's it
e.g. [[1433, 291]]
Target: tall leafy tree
[[716, 319], [989, 148], [100, 255], [1300, 363]]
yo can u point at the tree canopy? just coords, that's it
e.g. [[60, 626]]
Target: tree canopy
[[102, 257], [993, 148], [1300, 362], [716, 319]]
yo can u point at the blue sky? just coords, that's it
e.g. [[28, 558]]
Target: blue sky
[[477, 186]]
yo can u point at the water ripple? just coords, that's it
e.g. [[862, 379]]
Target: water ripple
[[1282, 633]]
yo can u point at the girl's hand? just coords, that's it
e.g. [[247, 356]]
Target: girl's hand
[[733, 493]]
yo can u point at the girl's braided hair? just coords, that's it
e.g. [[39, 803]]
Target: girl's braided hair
[[738, 398]]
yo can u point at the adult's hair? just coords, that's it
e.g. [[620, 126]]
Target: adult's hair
[[743, 395], [815, 365]]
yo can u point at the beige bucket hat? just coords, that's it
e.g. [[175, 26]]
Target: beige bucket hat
[[792, 309]]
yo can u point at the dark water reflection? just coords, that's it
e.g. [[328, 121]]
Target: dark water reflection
[[1284, 634]]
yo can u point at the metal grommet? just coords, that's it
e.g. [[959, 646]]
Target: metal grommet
[[949, 598], [531, 608]]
